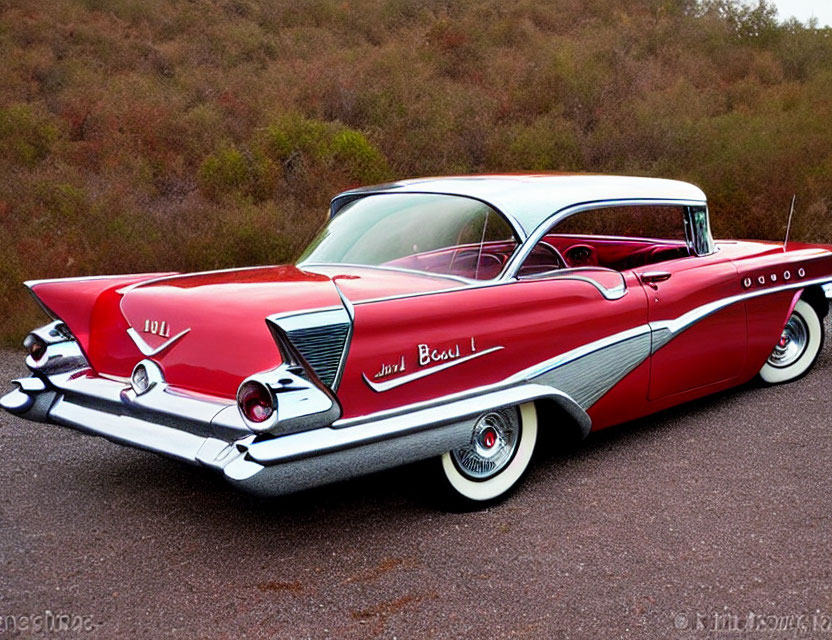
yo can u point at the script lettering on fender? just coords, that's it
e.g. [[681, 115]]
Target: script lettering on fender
[[428, 355], [390, 369], [430, 359]]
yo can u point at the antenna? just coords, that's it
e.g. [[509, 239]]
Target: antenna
[[789, 225]]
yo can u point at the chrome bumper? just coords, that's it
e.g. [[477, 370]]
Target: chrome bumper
[[210, 432], [827, 289]]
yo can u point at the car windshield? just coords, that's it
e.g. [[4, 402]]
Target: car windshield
[[441, 234]]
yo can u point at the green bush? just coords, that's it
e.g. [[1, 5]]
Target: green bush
[[230, 172], [26, 137]]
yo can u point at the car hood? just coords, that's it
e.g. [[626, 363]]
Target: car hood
[[208, 332]]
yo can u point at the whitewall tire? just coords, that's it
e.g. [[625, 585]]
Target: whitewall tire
[[798, 347], [501, 449]]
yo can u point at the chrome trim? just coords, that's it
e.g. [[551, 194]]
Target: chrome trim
[[58, 357], [574, 354], [30, 384], [573, 273], [322, 441], [16, 401], [349, 306], [284, 324], [289, 476], [149, 351], [665, 330], [419, 294], [309, 318], [380, 267], [422, 373], [529, 199], [301, 402], [124, 429], [154, 376], [53, 332], [827, 289], [34, 283]]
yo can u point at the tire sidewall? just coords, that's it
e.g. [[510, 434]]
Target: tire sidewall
[[481, 492], [778, 375]]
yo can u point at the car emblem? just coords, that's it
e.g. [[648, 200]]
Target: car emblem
[[440, 359], [156, 328]]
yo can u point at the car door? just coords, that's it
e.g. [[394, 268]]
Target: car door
[[697, 342]]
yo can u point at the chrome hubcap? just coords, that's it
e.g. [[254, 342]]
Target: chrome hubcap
[[492, 447], [792, 345]]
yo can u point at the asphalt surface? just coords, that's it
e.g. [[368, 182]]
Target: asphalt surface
[[650, 530]]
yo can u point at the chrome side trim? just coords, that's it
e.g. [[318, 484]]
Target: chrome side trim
[[416, 375], [551, 364], [33, 283], [587, 378], [574, 273], [327, 440], [664, 331], [401, 296], [149, 351]]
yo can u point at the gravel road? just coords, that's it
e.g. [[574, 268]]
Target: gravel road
[[662, 528]]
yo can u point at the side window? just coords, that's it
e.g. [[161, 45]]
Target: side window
[[616, 238]]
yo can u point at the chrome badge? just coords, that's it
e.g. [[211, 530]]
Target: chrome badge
[[429, 360], [161, 329], [155, 328]]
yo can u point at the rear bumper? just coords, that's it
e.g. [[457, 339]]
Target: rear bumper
[[210, 433]]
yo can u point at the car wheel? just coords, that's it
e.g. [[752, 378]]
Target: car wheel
[[798, 347], [487, 469]]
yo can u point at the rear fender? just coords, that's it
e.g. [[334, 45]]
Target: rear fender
[[82, 303]]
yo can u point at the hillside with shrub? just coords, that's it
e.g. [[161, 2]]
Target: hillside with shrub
[[145, 135]]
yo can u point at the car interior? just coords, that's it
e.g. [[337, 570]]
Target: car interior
[[577, 242], [554, 252]]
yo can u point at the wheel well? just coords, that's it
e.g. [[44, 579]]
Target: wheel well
[[816, 297], [555, 422]]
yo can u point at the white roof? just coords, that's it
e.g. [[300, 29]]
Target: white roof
[[530, 199]]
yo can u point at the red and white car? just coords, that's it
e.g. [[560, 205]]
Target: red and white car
[[448, 318]]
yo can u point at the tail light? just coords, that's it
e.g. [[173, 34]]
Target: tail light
[[35, 346], [257, 402]]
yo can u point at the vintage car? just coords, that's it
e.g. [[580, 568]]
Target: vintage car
[[444, 319]]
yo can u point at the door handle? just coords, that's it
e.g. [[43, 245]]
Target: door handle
[[652, 278]]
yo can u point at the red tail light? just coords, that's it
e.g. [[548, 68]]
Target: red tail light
[[256, 401]]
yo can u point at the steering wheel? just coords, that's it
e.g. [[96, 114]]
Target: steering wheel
[[582, 255]]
